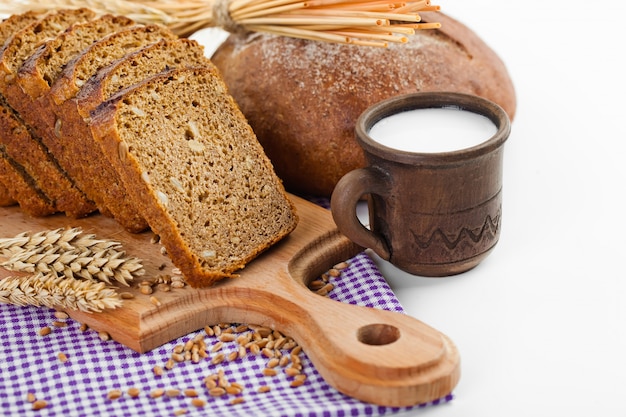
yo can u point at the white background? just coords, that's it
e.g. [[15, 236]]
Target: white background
[[541, 323]]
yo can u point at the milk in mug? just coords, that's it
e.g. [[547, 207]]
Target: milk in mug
[[433, 130]]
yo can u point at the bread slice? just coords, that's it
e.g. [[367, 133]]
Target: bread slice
[[14, 172], [6, 199], [21, 190], [193, 166], [21, 44], [43, 168]]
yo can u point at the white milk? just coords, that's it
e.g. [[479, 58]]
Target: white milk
[[433, 130]]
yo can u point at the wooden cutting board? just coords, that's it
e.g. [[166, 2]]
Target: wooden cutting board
[[377, 356]]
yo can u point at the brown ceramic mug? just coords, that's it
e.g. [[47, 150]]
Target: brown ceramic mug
[[431, 213]]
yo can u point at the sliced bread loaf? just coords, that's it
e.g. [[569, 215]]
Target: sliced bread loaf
[[193, 166], [42, 69], [9, 26], [44, 169], [19, 185], [67, 147]]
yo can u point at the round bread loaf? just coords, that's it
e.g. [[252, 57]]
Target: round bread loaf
[[302, 98]]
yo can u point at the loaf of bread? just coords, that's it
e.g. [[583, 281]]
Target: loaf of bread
[[302, 98], [142, 123], [32, 155], [194, 167]]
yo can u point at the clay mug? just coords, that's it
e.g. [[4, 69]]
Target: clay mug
[[433, 213]]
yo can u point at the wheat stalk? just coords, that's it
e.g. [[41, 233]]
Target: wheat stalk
[[67, 239], [352, 21], [102, 265], [67, 253], [58, 292]]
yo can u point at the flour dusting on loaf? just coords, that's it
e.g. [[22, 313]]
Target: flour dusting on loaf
[[193, 166]]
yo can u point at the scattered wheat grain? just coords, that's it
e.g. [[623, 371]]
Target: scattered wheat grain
[[133, 392], [172, 392], [114, 394], [198, 402], [190, 393], [40, 404], [217, 359], [157, 393], [61, 315], [217, 392]]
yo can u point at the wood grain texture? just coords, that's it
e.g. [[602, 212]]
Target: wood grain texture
[[377, 356]]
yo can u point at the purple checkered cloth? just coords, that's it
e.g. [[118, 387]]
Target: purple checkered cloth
[[79, 386]]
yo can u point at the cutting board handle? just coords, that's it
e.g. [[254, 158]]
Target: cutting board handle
[[377, 356]]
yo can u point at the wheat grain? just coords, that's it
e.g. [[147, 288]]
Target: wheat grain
[[133, 392], [114, 394], [40, 404], [157, 393]]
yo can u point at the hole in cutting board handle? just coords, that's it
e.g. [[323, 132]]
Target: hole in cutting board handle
[[378, 334]]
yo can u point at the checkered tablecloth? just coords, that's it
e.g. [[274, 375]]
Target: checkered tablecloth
[[29, 363]]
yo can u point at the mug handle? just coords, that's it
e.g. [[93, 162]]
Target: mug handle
[[343, 201]]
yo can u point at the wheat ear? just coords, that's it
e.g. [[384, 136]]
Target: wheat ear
[[66, 253], [58, 292]]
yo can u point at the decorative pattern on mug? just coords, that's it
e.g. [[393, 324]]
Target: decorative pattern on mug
[[486, 233]]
